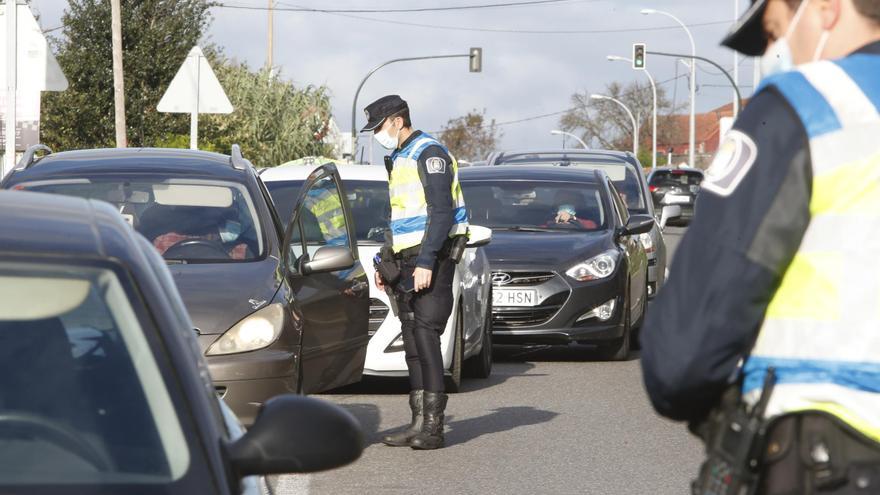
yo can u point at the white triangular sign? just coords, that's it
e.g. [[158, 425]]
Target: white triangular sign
[[37, 68], [195, 82]]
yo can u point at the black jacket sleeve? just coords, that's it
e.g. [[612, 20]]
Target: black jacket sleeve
[[435, 171], [751, 217]]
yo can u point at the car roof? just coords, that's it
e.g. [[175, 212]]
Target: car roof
[[532, 172], [683, 169], [611, 156], [131, 161], [347, 171], [41, 224]]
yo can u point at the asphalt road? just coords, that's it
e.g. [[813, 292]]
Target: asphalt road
[[546, 421]]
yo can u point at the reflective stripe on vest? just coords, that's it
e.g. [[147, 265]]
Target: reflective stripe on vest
[[821, 331], [409, 208]]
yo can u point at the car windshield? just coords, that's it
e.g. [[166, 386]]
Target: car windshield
[[668, 178], [82, 398], [368, 200], [534, 205], [186, 220], [623, 174]]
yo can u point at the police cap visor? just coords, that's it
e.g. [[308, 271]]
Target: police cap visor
[[747, 35]]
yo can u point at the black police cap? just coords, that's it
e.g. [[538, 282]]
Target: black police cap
[[747, 35], [381, 109]]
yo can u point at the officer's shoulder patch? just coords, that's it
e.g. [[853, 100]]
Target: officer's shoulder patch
[[733, 161], [435, 165]]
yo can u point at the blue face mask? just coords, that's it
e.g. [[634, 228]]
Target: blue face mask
[[231, 231], [567, 209]]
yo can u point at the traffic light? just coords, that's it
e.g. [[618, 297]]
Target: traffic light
[[476, 60], [639, 52]]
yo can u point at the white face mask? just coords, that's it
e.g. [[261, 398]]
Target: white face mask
[[778, 57], [385, 139]]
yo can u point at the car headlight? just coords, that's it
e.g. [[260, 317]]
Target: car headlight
[[603, 312], [595, 268], [647, 242], [257, 331]]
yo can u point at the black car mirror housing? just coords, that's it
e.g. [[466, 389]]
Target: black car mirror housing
[[639, 224], [329, 259], [296, 434]]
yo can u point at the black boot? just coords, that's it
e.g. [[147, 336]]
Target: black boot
[[403, 438], [431, 436]]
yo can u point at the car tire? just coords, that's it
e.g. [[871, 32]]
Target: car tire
[[635, 339], [619, 350], [453, 381], [480, 366]]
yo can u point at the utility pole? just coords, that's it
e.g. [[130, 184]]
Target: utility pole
[[11, 82], [270, 42], [736, 108], [118, 78]]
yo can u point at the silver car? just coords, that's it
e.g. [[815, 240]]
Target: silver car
[[626, 173]]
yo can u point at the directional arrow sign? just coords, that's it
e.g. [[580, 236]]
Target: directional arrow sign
[[194, 90]]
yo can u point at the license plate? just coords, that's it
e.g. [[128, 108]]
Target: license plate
[[676, 200], [514, 297]]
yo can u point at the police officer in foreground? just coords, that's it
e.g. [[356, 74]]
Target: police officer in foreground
[[767, 336], [427, 235]]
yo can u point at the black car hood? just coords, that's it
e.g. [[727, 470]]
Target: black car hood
[[544, 248], [218, 295]]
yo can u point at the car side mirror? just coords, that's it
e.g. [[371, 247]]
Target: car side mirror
[[639, 224], [669, 212], [296, 434], [478, 236], [329, 259]]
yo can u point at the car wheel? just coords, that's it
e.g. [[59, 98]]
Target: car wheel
[[619, 351], [453, 382], [635, 339], [480, 366]]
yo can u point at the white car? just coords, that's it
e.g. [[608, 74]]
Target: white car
[[466, 343]]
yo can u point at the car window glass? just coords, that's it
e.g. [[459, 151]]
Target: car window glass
[[322, 217], [79, 385], [296, 243], [669, 178], [619, 206], [190, 221], [559, 206]]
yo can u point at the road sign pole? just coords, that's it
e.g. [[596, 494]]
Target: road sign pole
[[194, 116], [11, 81]]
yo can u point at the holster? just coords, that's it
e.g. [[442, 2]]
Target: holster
[[387, 265]]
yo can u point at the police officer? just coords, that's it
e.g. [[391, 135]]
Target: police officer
[[427, 217], [779, 268]]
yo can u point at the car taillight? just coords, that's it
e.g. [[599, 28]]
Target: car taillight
[[652, 188]]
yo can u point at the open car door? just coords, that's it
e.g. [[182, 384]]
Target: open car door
[[330, 287]]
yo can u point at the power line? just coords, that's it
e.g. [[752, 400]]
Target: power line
[[298, 8], [487, 30]]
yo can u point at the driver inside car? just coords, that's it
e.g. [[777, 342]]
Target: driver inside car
[[201, 224], [567, 214]]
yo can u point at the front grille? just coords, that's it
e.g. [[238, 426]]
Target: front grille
[[528, 317], [652, 262], [378, 313], [521, 279]]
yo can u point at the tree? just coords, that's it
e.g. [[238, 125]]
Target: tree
[[470, 137], [273, 121], [156, 37], [610, 124]]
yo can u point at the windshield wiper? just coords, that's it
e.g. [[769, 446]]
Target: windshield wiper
[[520, 228]]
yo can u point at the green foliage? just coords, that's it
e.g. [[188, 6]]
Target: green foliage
[[156, 37]]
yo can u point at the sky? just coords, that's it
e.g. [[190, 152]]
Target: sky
[[525, 74]]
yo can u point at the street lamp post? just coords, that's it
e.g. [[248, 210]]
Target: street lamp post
[[615, 58], [631, 116], [563, 133], [476, 66], [693, 120]]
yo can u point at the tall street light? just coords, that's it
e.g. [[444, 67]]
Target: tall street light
[[631, 116], [615, 58], [563, 133], [693, 121], [476, 65]]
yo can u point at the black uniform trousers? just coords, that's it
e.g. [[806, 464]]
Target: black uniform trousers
[[423, 317]]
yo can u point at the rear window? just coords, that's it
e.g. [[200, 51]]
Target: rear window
[[82, 398], [666, 178]]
